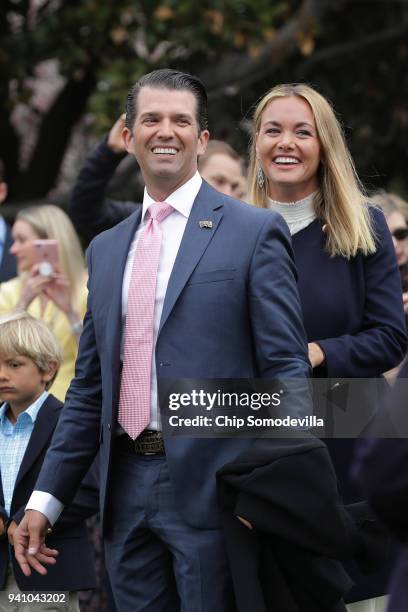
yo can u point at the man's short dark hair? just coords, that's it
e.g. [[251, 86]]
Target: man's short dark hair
[[166, 78]]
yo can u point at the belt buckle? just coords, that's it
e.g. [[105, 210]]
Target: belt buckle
[[152, 444]]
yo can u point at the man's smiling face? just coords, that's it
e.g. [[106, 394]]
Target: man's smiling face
[[165, 138]]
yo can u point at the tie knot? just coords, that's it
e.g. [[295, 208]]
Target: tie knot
[[159, 211]]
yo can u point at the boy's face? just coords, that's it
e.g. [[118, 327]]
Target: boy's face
[[21, 382]]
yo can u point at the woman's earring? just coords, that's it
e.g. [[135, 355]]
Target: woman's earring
[[260, 177]]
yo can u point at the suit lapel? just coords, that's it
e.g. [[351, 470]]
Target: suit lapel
[[207, 207], [120, 249], [123, 237], [43, 429]]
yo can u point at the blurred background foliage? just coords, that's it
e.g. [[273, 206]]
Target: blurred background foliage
[[65, 68]]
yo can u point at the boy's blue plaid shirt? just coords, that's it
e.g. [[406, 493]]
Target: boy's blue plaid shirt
[[14, 440]]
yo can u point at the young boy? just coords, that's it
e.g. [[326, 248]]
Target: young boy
[[29, 361]]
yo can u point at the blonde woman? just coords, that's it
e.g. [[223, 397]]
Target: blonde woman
[[349, 282], [59, 299]]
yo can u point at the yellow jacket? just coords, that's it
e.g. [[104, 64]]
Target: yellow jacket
[[10, 292]]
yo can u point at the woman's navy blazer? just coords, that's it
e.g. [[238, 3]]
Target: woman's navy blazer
[[352, 308]]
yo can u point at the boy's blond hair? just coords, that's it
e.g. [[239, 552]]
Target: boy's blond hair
[[22, 334]]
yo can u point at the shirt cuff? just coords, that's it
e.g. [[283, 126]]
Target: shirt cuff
[[45, 503]]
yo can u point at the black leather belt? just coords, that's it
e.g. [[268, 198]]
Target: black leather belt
[[148, 443]]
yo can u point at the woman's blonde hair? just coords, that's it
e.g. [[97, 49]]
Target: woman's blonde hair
[[51, 222], [340, 201], [22, 334]]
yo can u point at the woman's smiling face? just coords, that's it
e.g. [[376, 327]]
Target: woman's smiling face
[[288, 148]]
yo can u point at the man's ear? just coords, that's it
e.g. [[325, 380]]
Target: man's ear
[[128, 138], [3, 191], [203, 142]]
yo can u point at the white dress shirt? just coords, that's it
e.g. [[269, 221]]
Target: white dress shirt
[[172, 227]]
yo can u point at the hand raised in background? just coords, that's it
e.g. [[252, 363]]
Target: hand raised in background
[[115, 140]]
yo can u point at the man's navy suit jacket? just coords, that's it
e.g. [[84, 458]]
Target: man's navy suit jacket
[[75, 568], [231, 310]]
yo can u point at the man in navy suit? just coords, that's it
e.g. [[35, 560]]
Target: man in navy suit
[[226, 306]]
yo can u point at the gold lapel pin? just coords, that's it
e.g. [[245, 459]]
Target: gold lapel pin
[[205, 224]]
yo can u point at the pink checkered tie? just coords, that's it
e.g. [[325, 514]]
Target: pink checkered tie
[[134, 400]]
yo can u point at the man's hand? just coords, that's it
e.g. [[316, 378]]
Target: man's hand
[[29, 547], [115, 140]]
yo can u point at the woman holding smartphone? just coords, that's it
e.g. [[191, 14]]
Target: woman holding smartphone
[[55, 293], [349, 282]]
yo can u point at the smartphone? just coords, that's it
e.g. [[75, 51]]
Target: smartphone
[[45, 254]]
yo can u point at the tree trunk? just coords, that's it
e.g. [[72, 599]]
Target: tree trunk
[[53, 138]]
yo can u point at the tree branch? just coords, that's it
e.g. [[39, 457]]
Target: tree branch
[[54, 135], [351, 48], [238, 70]]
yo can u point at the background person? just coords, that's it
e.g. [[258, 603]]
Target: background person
[[60, 299], [348, 277], [8, 268], [92, 212], [223, 168], [395, 210], [29, 360]]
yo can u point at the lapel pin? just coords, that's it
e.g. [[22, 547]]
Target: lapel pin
[[205, 224]]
